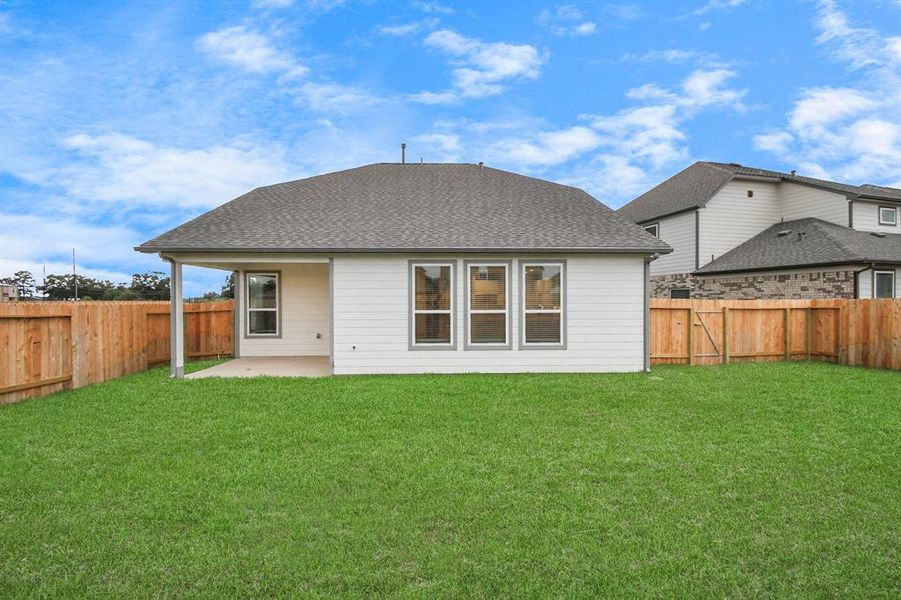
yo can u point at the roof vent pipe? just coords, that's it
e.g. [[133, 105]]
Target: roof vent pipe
[[794, 172], [403, 154], [481, 165]]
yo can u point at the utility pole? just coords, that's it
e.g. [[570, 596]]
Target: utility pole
[[74, 276]]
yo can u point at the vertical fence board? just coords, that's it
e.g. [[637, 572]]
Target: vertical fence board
[[90, 342]]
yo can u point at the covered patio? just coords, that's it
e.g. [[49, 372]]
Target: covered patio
[[283, 305], [269, 366]]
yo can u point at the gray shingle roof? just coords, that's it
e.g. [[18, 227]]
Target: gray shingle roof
[[390, 207], [695, 186], [809, 242]]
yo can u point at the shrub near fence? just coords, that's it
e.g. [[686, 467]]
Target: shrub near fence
[[849, 332], [49, 346]]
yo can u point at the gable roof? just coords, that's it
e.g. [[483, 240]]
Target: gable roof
[[808, 242], [693, 187], [410, 207]]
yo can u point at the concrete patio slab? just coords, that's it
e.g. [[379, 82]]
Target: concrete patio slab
[[269, 366]]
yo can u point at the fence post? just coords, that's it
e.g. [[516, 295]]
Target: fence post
[[691, 335], [726, 335], [788, 333], [809, 331]]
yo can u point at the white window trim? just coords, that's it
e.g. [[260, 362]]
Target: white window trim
[[876, 273], [452, 345], [894, 211], [276, 310], [523, 344], [656, 227], [508, 333]]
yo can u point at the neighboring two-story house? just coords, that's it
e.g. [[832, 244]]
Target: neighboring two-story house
[[745, 233]]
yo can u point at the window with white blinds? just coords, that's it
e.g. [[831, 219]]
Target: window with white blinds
[[542, 301], [433, 304], [488, 288]]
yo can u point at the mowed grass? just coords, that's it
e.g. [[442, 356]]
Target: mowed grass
[[744, 480]]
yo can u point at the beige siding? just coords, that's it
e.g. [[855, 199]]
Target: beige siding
[[304, 313], [801, 201], [866, 217], [679, 232], [731, 218], [604, 308]]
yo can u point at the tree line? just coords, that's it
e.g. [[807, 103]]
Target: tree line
[[153, 285]]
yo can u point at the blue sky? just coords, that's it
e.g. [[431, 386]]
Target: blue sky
[[119, 120]]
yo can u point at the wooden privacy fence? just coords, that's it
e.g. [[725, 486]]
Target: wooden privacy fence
[[50, 346], [849, 332]]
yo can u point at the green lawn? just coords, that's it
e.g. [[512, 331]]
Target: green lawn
[[745, 480]]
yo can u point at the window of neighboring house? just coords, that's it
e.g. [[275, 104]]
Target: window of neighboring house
[[681, 293], [883, 284], [888, 215], [543, 288], [262, 304], [653, 229], [487, 303], [433, 305]]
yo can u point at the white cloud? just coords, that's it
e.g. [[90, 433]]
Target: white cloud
[[433, 7], [436, 147], [777, 141], [704, 26], [336, 98], [676, 56], [847, 133], [545, 148], [566, 20], [480, 68], [28, 242], [405, 29], [703, 87], [249, 50], [718, 5], [128, 171]]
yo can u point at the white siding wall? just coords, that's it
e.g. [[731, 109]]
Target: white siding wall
[[678, 232], [866, 217], [731, 218], [604, 305], [801, 201], [304, 313]]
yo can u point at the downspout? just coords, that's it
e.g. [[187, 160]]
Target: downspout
[[857, 279], [646, 341]]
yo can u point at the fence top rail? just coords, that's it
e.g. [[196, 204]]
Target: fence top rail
[[36, 316]]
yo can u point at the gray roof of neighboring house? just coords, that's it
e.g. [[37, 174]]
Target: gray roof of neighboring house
[[808, 242], [695, 186], [410, 207]]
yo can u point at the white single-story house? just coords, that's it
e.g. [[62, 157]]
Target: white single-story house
[[417, 268]]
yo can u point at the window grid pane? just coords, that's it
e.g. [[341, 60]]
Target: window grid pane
[[433, 287], [262, 303], [543, 304], [433, 304], [885, 285]]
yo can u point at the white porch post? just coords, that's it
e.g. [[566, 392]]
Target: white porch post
[[177, 318]]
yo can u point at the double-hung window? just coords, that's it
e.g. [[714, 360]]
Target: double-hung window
[[432, 319], [262, 304], [487, 302], [542, 299], [883, 284]]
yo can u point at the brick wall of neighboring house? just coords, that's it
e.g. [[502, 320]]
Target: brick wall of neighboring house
[[824, 284]]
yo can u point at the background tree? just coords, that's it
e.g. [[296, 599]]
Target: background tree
[[24, 282], [228, 288], [150, 286]]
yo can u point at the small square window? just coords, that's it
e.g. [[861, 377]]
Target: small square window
[[888, 215], [680, 293], [653, 229]]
